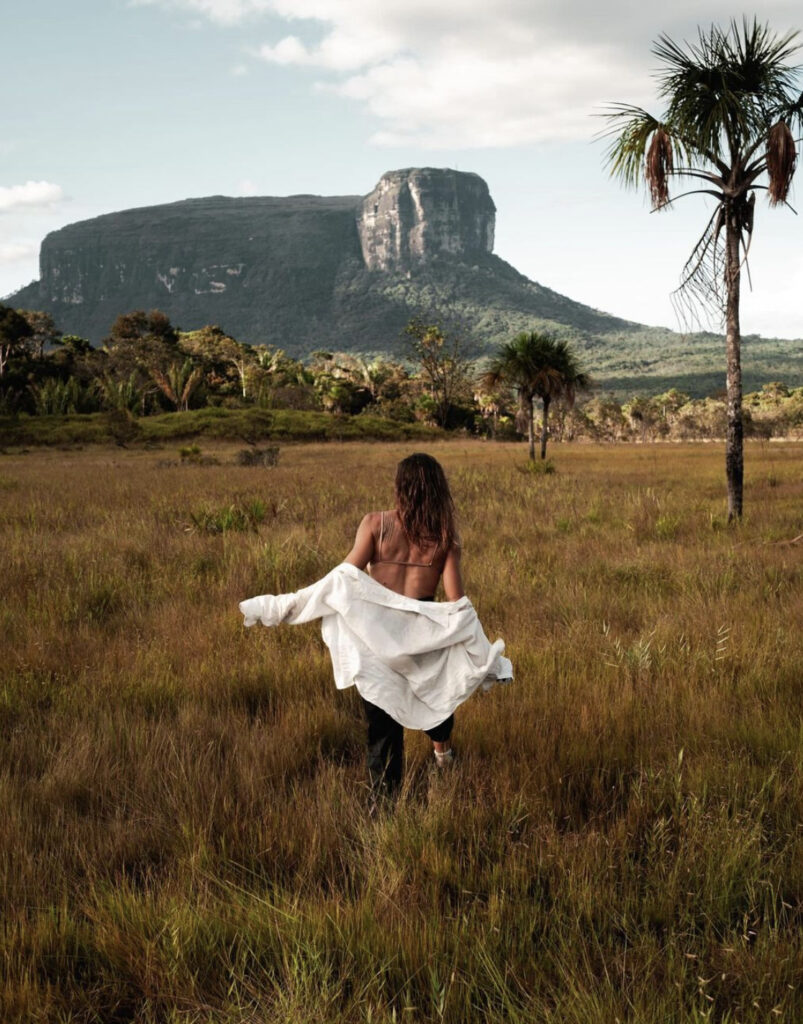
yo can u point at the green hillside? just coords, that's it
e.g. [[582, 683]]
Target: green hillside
[[492, 301]]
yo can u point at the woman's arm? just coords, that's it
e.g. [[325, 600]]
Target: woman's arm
[[363, 550], [452, 580]]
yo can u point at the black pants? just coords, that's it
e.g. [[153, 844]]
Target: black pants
[[386, 747]]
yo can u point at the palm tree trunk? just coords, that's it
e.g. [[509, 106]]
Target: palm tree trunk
[[531, 429], [544, 428], [734, 448]]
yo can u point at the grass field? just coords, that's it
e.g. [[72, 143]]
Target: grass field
[[183, 834]]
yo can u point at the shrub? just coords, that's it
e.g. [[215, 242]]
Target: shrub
[[258, 456]]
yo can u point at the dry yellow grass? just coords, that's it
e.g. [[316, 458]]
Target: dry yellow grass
[[182, 802]]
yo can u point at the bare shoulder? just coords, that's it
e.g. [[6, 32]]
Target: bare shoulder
[[362, 551], [370, 521]]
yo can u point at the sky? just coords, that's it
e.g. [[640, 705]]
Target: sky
[[112, 104]]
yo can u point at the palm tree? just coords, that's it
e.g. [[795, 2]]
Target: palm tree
[[731, 103], [178, 384], [541, 366]]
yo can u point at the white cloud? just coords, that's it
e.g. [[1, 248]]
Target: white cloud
[[224, 12], [289, 50], [465, 73], [17, 252], [246, 187], [473, 101], [31, 195]]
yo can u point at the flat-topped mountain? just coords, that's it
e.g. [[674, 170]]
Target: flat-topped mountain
[[302, 272], [347, 273]]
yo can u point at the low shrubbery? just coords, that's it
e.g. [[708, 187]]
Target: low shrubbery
[[251, 425], [775, 411]]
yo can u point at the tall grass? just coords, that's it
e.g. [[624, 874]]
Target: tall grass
[[183, 826]]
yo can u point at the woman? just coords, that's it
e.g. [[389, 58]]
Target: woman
[[413, 660], [408, 549]]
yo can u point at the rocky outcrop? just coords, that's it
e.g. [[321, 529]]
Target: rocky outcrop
[[415, 214]]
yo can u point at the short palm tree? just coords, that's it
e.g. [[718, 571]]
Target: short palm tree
[[732, 102], [537, 365]]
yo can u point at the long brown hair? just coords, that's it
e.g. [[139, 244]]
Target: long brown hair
[[425, 502]]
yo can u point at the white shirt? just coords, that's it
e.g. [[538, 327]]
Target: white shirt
[[417, 660]]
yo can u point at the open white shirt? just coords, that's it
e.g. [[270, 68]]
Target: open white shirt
[[417, 660]]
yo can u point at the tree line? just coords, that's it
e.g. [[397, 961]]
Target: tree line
[[147, 366]]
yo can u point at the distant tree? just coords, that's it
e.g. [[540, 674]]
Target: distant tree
[[606, 418], [74, 344], [15, 332], [730, 101], [138, 327], [444, 365], [178, 383], [44, 332], [537, 365], [118, 395], [491, 401], [224, 355], [144, 340], [391, 389], [281, 369], [339, 380], [145, 345], [282, 381], [643, 415]]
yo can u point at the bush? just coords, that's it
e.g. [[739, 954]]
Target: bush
[[258, 456]]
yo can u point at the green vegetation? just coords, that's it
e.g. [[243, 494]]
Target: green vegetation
[[184, 828], [537, 366], [496, 302], [251, 425], [776, 411], [151, 384]]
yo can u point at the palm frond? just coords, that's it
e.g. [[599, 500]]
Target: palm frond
[[701, 290], [633, 129], [164, 385], [725, 90], [658, 166], [781, 161]]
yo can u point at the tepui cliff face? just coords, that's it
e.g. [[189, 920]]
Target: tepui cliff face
[[414, 214], [300, 272]]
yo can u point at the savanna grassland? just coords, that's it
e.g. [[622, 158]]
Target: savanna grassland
[[183, 828]]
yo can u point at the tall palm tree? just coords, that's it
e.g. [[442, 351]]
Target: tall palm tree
[[732, 103], [537, 365]]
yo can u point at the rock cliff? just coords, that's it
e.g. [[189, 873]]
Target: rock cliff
[[301, 272], [415, 214], [256, 266]]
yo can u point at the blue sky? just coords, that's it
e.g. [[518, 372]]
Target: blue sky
[[121, 103]]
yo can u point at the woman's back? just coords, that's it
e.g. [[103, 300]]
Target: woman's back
[[407, 549], [401, 565], [384, 550]]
